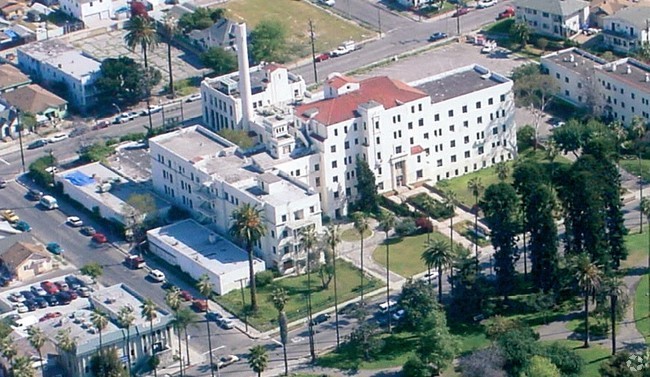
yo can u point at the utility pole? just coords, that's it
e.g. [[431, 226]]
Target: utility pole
[[458, 20], [379, 21], [243, 300], [20, 138], [313, 49]]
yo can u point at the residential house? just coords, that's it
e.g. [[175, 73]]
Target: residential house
[[38, 101], [56, 65], [599, 9], [9, 123], [12, 78], [88, 11], [553, 18], [627, 29], [24, 260], [12, 10], [220, 35]]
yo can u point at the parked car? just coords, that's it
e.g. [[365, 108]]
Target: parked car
[[54, 248], [73, 295], [49, 287], [73, 282], [51, 300], [193, 97], [214, 316], [83, 292], [99, 238], [31, 305], [186, 296], [78, 131], [3, 183], [398, 315], [64, 298], [101, 124], [62, 286], [349, 308], [329, 3], [200, 306], [28, 295], [322, 57], [16, 297], [34, 195], [87, 231], [57, 137], [74, 221], [225, 323], [228, 360], [482, 4], [157, 275], [37, 291], [437, 36], [10, 216], [50, 315], [41, 302], [23, 226], [509, 12], [460, 12], [320, 319], [21, 307], [152, 109], [37, 144]]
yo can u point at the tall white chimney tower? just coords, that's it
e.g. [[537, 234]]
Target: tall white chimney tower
[[244, 74]]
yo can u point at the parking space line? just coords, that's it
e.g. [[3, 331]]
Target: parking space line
[[4, 161]]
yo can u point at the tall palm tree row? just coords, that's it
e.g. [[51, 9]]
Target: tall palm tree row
[[205, 287], [248, 227], [37, 339], [387, 224], [437, 254], [99, 320], [258, 359], [173, 300], [475, 187], [333, 239], [141, 33], [361, 226], [309, 239], [126, 319], [149, 311], [589, 277], [279, 298], [170, 28]]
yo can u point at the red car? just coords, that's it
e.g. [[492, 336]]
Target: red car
[[49, 316], [322, 57], [199, 306], [460, 12], [99, 238], [186, 296], [509, 12], [49, 287]]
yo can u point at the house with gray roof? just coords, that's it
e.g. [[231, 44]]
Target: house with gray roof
[[627, 29], [553, 18], [221, 35]]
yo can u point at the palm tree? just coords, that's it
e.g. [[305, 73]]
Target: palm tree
[[589, 278], [503, 170], [8, 348], [141, 32], [37, 339], [125, 319], [170, 27], [645, 208], [173, 300], [475, 187], [248, 227], [258, 360], [204, 285], [309, 239], [361, 226], [451, 201], [615, 289], [333, 239], [98, 318], [437, 254], [22, 367], [386, 224], [280, 298], [183, 318], [150, 312], [64, 341]]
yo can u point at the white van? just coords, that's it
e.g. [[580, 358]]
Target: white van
[[386, 306], [157, 275], [49, 202]]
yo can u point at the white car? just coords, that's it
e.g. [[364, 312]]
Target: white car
[[194, 97], [398, 315], [152, 109], [227, 360], [330, 3], [433, 277], [57, 137], [486, 4], [83, 292], [75, 221], [17, 297], [21, 308], [157, 275], [38, 291]]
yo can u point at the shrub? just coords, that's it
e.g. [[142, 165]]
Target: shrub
[[430, 206], [401, 210], [37, 170], [424, 225], [176, 213], [405, 227], [95, 152], [263, 278], [564, 358]]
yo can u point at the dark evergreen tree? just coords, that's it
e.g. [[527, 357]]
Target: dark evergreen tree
[[366, 188]]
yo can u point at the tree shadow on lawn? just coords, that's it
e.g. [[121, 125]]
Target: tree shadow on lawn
[[635, 271]]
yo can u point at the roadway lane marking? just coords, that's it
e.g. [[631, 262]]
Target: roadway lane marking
[[5, 161]]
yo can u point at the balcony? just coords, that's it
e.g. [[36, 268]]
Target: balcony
[[620, 34], [206, 210]]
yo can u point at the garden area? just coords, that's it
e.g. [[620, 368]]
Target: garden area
[[348, 278], [466, 229], [636, 167], [430, 207]]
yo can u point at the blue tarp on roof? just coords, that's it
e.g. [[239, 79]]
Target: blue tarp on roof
[[79, 179], [11, 34]]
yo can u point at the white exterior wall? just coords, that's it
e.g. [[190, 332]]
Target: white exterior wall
[[621, 36], [89, 202], [89, 11], [572, 86], [620, 100], [553, 25]]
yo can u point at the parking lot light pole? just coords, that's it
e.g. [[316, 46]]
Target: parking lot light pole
[[243, 302]]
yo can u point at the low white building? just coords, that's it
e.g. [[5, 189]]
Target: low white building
[[197, 250], [628, 29], [206, 174], [619, 90], [101, 189], [555, 18], [54, 63], [88, 11]]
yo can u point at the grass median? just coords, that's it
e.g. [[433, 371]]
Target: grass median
[[349, 282]]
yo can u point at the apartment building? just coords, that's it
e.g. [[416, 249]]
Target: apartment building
[[554, 18], [619, 90], [54, 63], [627, 29], [88, 11], [206, 174]]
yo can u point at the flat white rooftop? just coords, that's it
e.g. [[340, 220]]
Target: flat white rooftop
[[205, 247]]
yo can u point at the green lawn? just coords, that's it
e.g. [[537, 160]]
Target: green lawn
[[633, 166], [464, 229], [349, 281], [637, 246], [330, 31], [405, 254], [351, 235], [593, 356], [502, 26], [641, 308]]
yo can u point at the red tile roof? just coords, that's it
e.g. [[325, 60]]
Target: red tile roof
[[338, 81], [387, 92]]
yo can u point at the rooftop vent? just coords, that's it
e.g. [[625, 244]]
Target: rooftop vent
[[575, 64], [613, 67], [647, 77], [628, 70], [572, 58], [212, 238]]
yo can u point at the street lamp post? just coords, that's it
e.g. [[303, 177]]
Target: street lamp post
[[640, 200], [218, 369], [243, 302], [20, 138], [119, 111]]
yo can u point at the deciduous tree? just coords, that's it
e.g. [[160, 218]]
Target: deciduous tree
[[268, 41]]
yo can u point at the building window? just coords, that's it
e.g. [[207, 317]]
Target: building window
[[333, 148], [419, 174], [467, 154], [464, 109], [317, 167], [334, 164], [480, 150], [426, 135], [317, 182], [453, 158], [335, 179], [284, 218], [503, 98], [466, 139], [439, 163], [347, 145], [478, 104], [451, 113], [378, 141], [336, 194], [398, 149], [410, 125], [452, 143], [452, 128], [436, 117], [490, 101], [421, 122]]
